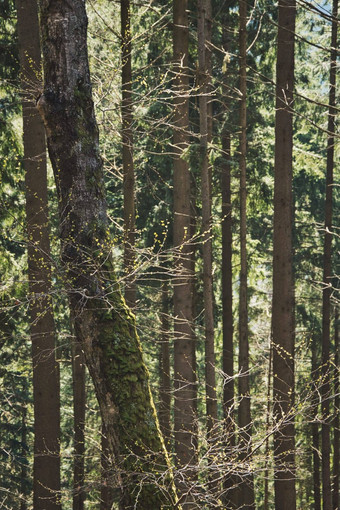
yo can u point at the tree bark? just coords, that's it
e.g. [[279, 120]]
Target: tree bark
[[164, 413], [102, 320], [283, 284], [128, 167], [315, 428], [79, 404], [336, 421], [208, 298], [246, 488], [327, 274], [184, 359], [46, 464]]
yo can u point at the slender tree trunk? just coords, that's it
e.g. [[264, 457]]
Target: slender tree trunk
[[246, 489], [46, 466], [210, 376], [79, 403], [336, 421], [102, 320], [283, 282], [315, 428], [327, 273], [184, 359], [164, 366], [128, 168]]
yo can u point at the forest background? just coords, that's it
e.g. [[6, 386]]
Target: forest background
[[228, 457]]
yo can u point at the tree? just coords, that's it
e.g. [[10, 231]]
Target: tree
[[101, 318], [246, 490], [184, 360], [283, 286], [46, 468], [327, 274]]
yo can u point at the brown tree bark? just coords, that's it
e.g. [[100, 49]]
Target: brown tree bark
[[184, 359], [336, 421], [246, 488], [283, 283], [204, 9], [46, 465], [79, 404], [327, 274], [102, 320], [128, 167], [164, 413]]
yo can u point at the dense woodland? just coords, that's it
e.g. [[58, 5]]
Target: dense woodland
[[169, 303]]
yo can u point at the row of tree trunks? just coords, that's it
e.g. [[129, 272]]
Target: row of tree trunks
[[101, 319], [184, 358], [283, 285], [46, 466]]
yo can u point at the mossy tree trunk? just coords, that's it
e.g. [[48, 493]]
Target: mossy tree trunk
[[102, 320]]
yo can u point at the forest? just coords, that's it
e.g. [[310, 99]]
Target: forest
[[169, 277]]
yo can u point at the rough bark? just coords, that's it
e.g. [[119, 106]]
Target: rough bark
[[164, 413], [208, 298], [336, 421], [327, 274], [46, 466], [283, 284], [184, 360], [128, 167], [246, 488], [79, 404], [102, 320]]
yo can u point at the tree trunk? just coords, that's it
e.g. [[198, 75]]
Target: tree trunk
[[315, 427], [208, 298], [283, 283], [128, 167], [24, 463], [246, 488], [184, 359], [102, 320], [164, 413], [336, 421], [327, 274], [46, 465], [79, 403]]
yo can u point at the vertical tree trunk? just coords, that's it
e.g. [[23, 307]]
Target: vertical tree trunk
[[283, 283], [267, 450], [246, 489], [102, 321], [24, 463], [79, 403], [315, 427], [327, 274], [164, 366], [184, 360], [46, 466], [128, 167], [336, 421], [208, 298]]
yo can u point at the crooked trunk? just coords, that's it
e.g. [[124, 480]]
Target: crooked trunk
[[102, 320]]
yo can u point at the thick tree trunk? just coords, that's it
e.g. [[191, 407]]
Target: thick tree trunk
[[327, 274], [102, 320], [79, 403], [46, 466], [283, 283], [246, 488], [128, 167], [184, 359], [164, 413], [208, 298]]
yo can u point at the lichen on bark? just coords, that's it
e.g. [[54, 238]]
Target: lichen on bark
[[102, 320]]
